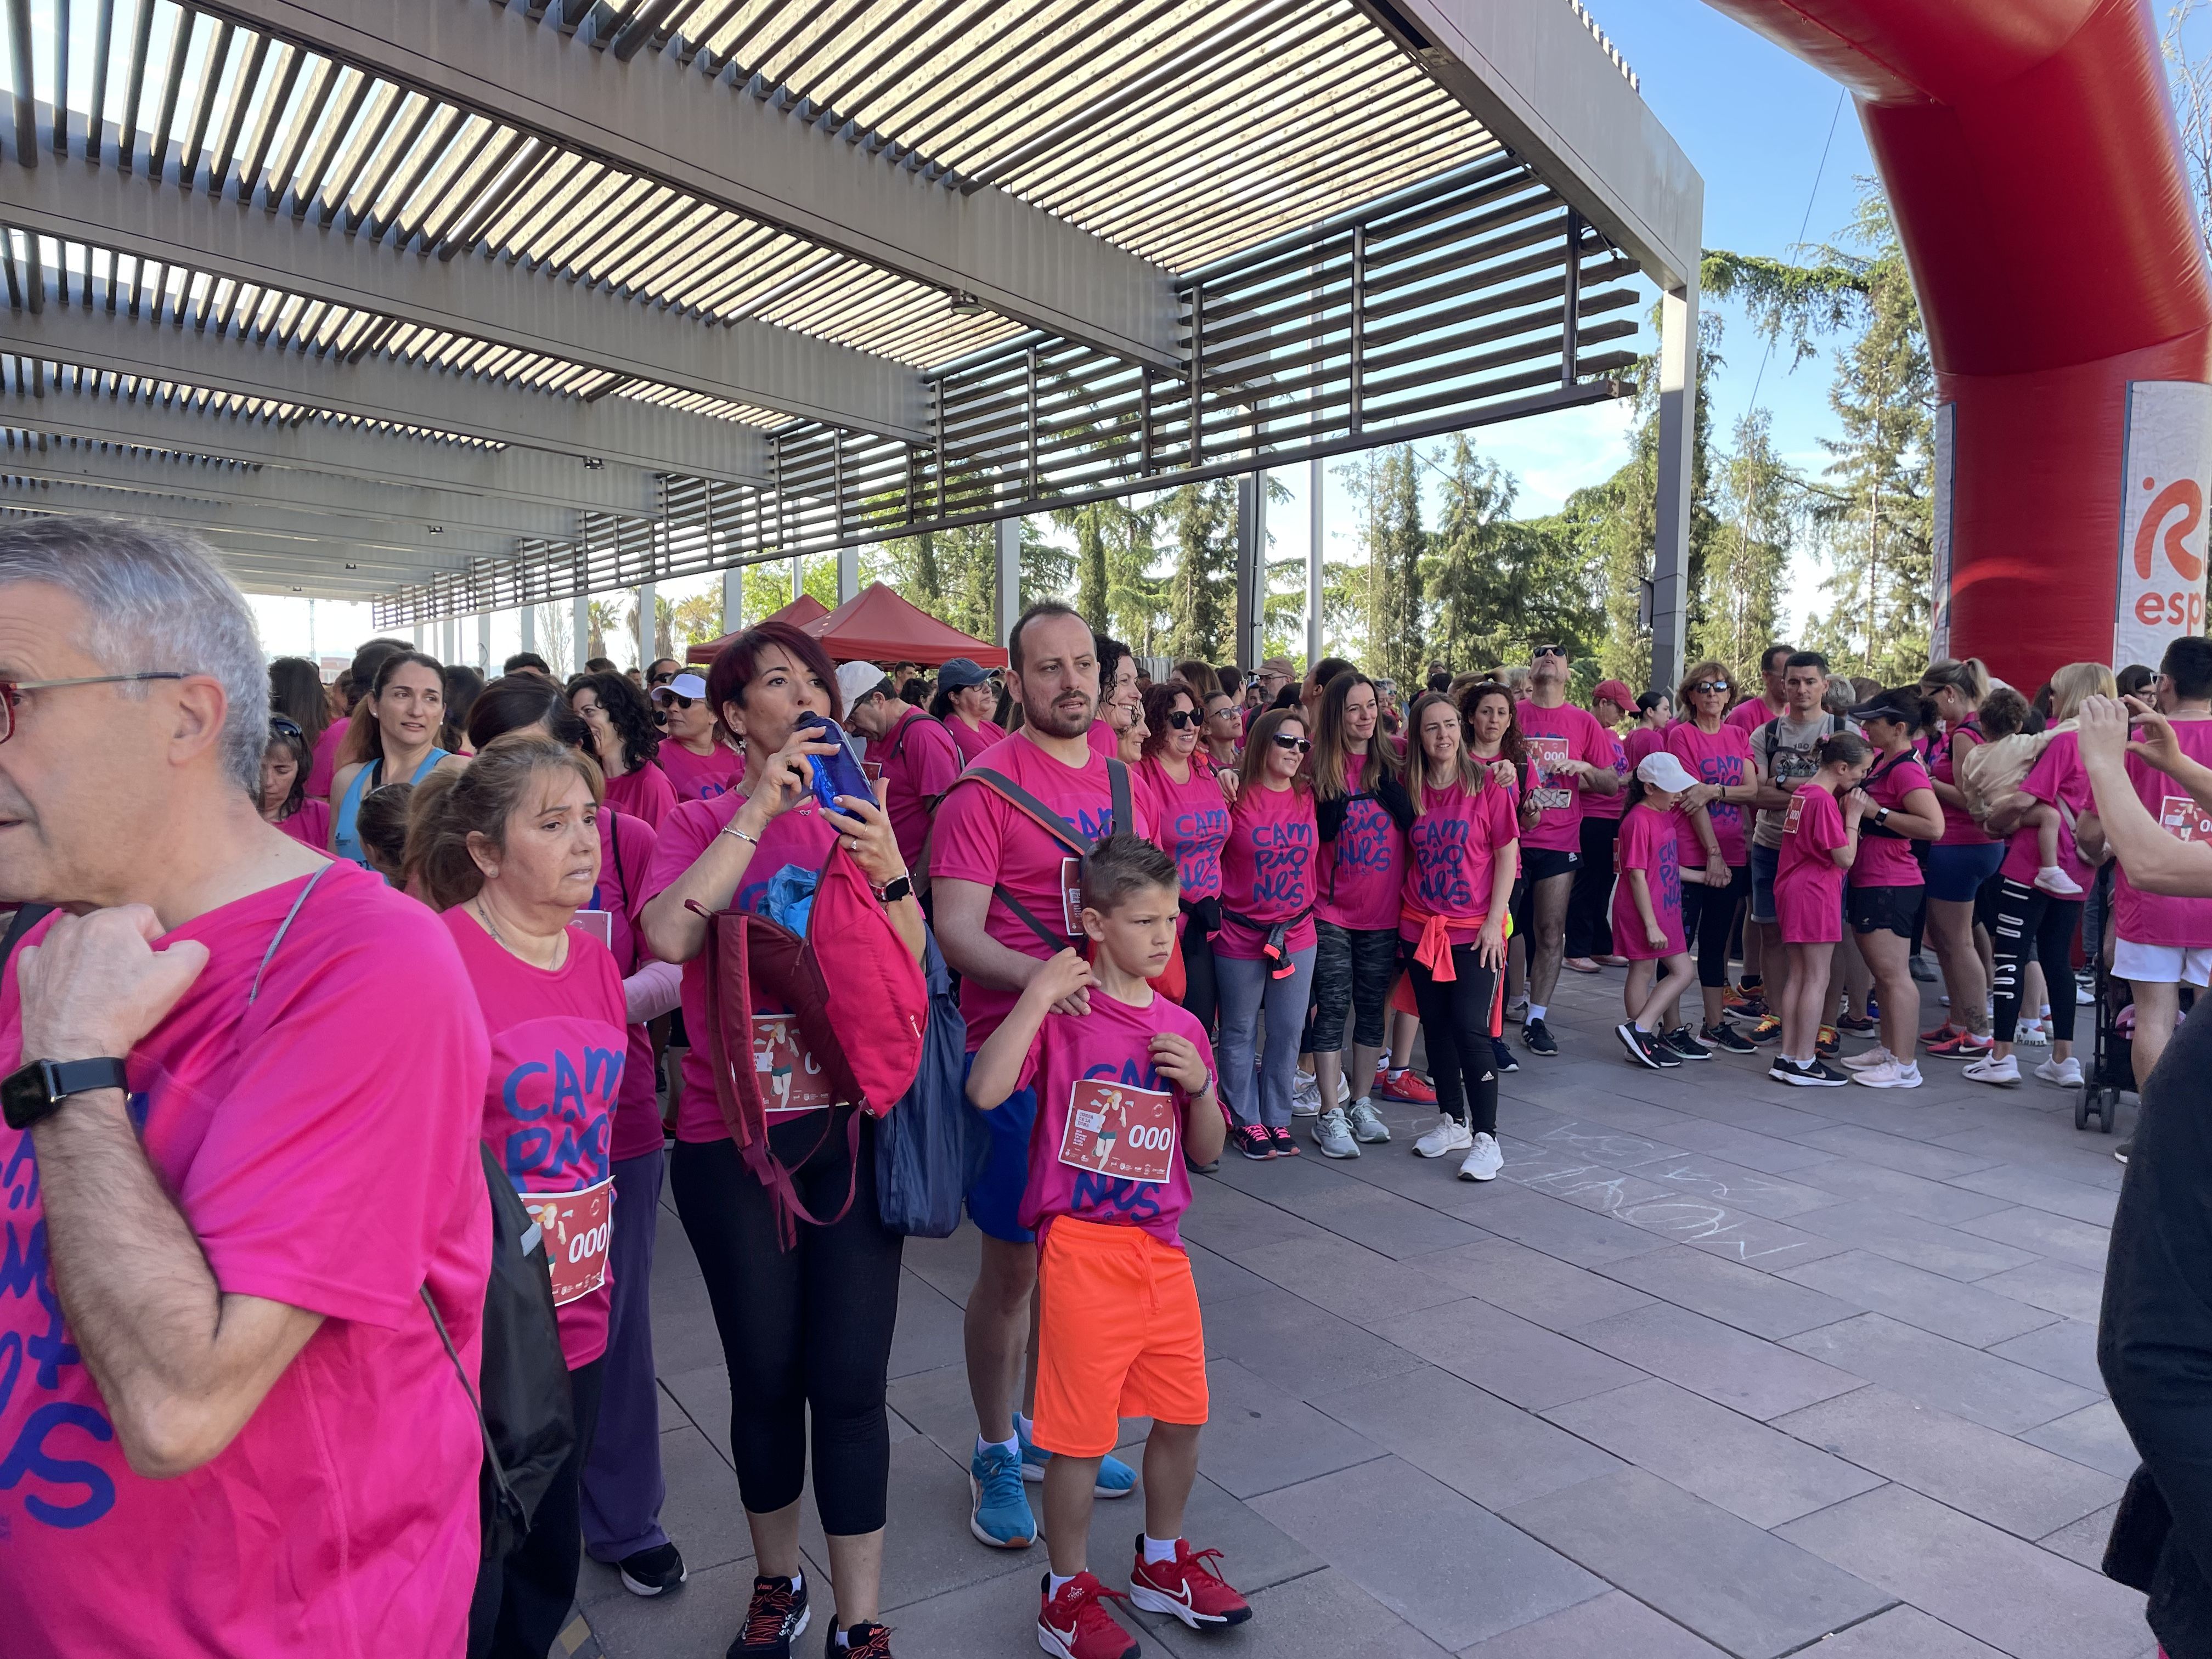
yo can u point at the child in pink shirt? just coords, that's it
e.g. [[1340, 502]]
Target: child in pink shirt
[[1819, 841], [1647, 909]]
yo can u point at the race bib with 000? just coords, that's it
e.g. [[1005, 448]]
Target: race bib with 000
[[577, 1226], [1115, 1130], [2180, 816], [1549, 754]]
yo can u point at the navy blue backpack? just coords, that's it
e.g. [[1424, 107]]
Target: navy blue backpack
[[931, 1149]]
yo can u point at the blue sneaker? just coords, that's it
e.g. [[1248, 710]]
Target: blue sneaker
[[1001, 1517], [1114, 1479]]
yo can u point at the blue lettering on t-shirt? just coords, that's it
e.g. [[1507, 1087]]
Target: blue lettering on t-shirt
[[1280, 853], [1722, 769], [1198, 837], [1440, 863], [564, 1115], [1667, 884], [1365, 841]]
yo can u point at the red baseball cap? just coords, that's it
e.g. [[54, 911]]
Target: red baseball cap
[[1616, 692]]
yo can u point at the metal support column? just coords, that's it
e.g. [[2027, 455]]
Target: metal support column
[[1251, 569], [530, 627], [1009, 536], [418, 636], [1316, 479], [1670, 560], [484, 643], [849, 573], [734, 599], [580, 620], [647, 611], [797, 574]]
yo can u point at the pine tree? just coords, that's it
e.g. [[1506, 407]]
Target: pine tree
[[1759, 505], [1202, 590], [1395, 548], [1090, 559]]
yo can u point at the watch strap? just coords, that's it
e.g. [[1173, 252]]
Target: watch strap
[[36, 1092], [82, 1077]]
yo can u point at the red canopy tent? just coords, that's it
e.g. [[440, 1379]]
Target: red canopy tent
[[877, 624], [800, 612]]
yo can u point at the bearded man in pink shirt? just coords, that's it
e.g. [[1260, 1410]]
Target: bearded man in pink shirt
[[239, 1181]]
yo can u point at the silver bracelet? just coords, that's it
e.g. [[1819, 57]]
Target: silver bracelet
[[731, 828]]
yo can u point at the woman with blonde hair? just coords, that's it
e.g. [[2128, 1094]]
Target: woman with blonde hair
[[1964, 857], [1712, 847]]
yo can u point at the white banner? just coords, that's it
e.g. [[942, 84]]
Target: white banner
[[2162, 532]]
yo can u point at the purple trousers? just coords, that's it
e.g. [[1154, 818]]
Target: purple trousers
[[622, 1488]]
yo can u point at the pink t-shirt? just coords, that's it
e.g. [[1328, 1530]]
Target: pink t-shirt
[[621, 894], [1553, 735], [644, 792], [2158, 918], [1612, 805], [796, 836], [1452, 858], [972, 740], [322, 1145], [1888, 861], [984, 837], [2057, 776], [558, 1051], [1642, 740], [311, 825], [1650, 841], [1959, 829], [1104, 738], [919, 761], [1190, 822], [1809, 884], [699, 777], [1267, 871], [1722, 756], [1102, 1172], [324, 766], [1751, 713], [1363, 869]]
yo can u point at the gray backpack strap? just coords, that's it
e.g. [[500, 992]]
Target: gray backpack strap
[[284, 927]]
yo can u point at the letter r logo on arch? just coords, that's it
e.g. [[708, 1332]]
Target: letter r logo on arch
[[2186, 495]]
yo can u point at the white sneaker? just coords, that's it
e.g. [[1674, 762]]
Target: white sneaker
[[1873, 1057], [1484, 1162], [2004, 1073], [2085, 994], [2032, 1033], [1333, 1135], [1305, 1095], [1889, 1075], [2061, 1073], [2052, 879], [1367, 1124], [1450, 1135]]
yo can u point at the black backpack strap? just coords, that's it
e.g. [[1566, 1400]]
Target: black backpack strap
[[1031, 807], [614, 841], [1125, 812], [27, 917]]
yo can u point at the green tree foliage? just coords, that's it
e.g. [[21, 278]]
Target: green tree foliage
[[1499, 586], [1761, 502], [1201, 596]]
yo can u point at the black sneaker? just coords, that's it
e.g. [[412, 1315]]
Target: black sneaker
[[1254, 1141], [1501, 1056], [1536, 1038], [648, 1572], [776, 1618], [1639, 1044], [1684, 1044], [1806, 1074], [1726, 1038], [866, 1640], [1284, 1146], [1922, 973]]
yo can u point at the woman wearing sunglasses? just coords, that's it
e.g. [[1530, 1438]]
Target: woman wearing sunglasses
[[1190, 822], [1264, 956], [1711, 848], [697, 763], [285, 763]]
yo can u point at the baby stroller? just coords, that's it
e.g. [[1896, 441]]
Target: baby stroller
[[2110, 1065]]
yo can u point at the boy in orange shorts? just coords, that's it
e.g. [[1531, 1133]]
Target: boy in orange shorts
[[1124, 1093]]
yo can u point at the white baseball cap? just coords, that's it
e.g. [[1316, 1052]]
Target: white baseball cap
[[855, 680], [686, 684], [1663, 771]]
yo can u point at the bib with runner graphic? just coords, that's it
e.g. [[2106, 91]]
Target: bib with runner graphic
[[2180, 816], [790, 1079], [1070, 896], [577, 1226], [1550, 755], [1114, 1129], [1796, 811]]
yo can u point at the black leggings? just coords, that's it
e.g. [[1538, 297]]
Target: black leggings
[[1202, 996], [1455, 1024], [806, 1329], [1707, 914], [521, 1600], [2031, 921], [1589, 906]]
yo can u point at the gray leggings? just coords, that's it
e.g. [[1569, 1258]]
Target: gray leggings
[[1246, 992]]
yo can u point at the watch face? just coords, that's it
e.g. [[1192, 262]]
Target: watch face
[[24, 1097]]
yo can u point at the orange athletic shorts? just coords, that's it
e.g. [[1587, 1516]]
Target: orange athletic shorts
[[1119, 1336]]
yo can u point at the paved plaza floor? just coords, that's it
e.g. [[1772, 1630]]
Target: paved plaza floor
[[1717, 1366]]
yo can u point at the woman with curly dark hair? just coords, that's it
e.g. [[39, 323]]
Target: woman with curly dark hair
[[627, 741]]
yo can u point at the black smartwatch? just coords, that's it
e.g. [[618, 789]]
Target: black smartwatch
[[36, 1092], [896, 888]]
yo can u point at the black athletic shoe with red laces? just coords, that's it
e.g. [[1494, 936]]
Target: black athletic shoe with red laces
[[776, 1618], [866, 1640]]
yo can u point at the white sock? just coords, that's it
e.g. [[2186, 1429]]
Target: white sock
[[798, 1582], [1382, 1060], [1538, 1010], [1055, 1582], [1012, 1445], [1155, 1552], [1395, 1075], [1024, 1429]]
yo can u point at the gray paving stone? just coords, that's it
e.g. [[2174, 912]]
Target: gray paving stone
[[928, 1335], [1557, 1229], [1944, 1250], [1777, 1198], [1733, 1235], [1286, 1182], [1349, 1279], [1894, 1151], [1321, 1615], [1475, 1442], [1742, 1589], [1387, 1221], [1614, 1624], [1298, 1348], [1227, 1221], [695, 1622], [2064, 1348], [1743, 1372], [1904, 1633], [948, 1265], [1939, 1372], [1585, 1184], [2018, 1598], [2052, 1286], [1218, 1278], [1512, 1358], [1943, 1202], [1760, 1303], [704, 1395], [1258, 1438], [1750, 1150], [1965, 1313], [1578, 1140], [2095, 1435], [994, 1619], [2056, 1193], [1636, 1117], [2056, 1236], [1726, 1458], [2084, 1541], [1542, 1288], [2009, 1484], [1455, 1572], [684, 1335], [927, 1548]]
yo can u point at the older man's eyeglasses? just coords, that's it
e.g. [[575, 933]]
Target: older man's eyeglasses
[[11, 692]]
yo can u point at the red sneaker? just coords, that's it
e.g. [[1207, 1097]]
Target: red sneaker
[[1942, 1033], [1404, 1088], [1186, 1587], [1961, 1045], [1075, 1624]]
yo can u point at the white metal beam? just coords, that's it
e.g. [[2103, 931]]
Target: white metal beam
[[717, 142], [309, 539], [742, 361], [511, 474], [613, 428]]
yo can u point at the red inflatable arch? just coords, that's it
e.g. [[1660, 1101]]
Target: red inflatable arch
[[2029, 151]]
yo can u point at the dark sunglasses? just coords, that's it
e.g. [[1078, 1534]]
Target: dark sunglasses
[[1182, 718], [1710, 685], [1284, 740], [675, 700], [1548, 651]]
